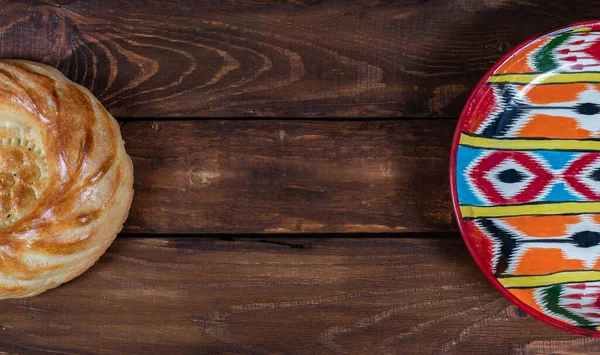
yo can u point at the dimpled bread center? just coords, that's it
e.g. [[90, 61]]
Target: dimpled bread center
[[23, 177]]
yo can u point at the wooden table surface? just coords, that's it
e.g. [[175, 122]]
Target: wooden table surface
[[291, 180]]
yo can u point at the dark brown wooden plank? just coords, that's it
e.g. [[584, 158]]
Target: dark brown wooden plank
[[260, 58], [290, 176], [352, 296]]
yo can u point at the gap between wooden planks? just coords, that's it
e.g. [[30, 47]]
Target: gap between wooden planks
[[313, 58], [302, 58], [240, 176], [351, 296]]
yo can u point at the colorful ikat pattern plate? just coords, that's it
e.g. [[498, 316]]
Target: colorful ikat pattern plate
[[525, 176]]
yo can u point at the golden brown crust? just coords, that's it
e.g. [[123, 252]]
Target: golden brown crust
[[66, 182]]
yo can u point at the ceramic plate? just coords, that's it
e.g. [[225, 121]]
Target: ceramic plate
[[525, 176]]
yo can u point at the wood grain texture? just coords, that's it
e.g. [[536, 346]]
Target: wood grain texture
[[265, 58], [370, 58], [237, 176], [344, 296]]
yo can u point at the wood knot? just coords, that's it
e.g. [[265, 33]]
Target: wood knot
[[202, 177]]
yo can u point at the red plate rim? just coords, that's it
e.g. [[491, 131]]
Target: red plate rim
[[480, 263]]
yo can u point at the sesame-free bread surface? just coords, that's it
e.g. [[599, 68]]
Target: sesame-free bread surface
[[66, 182]]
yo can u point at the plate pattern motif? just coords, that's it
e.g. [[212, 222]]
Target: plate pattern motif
[[526, 178]]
